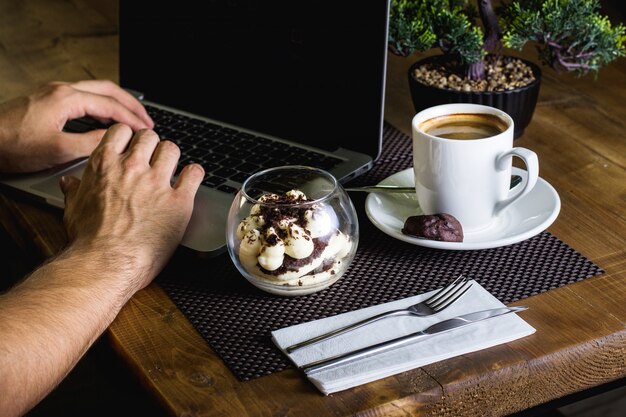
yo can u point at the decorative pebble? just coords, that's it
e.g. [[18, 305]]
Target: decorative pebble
[[502, 74]]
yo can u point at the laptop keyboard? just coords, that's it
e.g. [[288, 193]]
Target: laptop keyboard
[[229, 156]]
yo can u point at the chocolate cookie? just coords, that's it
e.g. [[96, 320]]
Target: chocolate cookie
[[440, 226]]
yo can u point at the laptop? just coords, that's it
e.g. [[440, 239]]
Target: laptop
[[245, 85]]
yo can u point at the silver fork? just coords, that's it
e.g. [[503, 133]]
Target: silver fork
[[437, 302]]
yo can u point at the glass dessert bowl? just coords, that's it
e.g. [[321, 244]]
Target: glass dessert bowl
[[292, 230]]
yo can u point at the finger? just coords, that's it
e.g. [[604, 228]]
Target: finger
[[109, 88], [69, 184], [117, 137], [143, 145], [76, 145], [189, 179], [165, 157], [104, 107]]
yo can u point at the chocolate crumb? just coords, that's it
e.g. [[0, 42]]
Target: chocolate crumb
[[272, 240]]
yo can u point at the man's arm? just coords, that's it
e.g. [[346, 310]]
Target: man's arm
[[124, 220], [50, 320]]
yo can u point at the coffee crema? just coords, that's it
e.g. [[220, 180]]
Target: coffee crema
[[464, 126]]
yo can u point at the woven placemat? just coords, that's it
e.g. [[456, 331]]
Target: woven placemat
[[236, 319]]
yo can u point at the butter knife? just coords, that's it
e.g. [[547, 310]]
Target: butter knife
[[441, 327]]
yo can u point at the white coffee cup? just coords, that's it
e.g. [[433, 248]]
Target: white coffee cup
[[467, 178]]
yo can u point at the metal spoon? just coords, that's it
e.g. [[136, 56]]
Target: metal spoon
[[515, 180]]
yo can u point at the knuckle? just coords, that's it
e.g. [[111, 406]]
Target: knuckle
[[170, 147], [147, 135], [106, 82], [61, 89], [57, 148], [101, 157], [119, 129]]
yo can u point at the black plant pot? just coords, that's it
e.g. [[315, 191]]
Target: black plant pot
[[518, 103]]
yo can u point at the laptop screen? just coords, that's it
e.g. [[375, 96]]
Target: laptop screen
[[308, 71]]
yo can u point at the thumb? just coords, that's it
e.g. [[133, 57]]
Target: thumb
[[84, 143], [69, 184]]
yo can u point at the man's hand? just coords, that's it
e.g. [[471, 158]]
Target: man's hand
[[31, 128], [124, 219], [124, 205]]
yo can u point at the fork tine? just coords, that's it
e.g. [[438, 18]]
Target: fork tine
[[449, 293], [452, 297], [445, 290]]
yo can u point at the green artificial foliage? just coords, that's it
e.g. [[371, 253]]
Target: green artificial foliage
[[570, 35]]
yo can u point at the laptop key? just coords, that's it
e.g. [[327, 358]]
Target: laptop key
[[224, 149], [245, 135], [295, 159], [181, 125], [209, 167], [197, 153], [248, 168], [213, 180], [262, 140], [211, 134], [264, 149], [276, 153], [227, 189], [211, 126], [176, 135], [239, 143], [328, 162], [225, 172], [184, 147], [196, 130], [240, 177], [256, 158], [244, 153], [229, 131], [232, 162], [196, 122], [214, 157]]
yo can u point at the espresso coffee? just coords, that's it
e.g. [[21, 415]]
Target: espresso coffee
[[464, 126]]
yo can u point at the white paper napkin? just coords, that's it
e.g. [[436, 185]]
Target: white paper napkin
[[463, 340]]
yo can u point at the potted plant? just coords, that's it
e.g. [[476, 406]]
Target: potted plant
[[570, 35]]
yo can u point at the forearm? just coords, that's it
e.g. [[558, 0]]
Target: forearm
[[52, 318], [9, 123]]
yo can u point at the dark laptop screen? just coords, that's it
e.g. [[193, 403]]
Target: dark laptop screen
[[310, 71]]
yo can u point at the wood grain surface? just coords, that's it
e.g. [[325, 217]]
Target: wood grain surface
[[578, 132]]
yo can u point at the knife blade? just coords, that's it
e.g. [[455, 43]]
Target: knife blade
[[437, 328]]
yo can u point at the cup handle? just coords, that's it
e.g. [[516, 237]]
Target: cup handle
[[532, 167]]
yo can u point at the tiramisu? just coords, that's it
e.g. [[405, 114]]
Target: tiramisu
[[289, 240]]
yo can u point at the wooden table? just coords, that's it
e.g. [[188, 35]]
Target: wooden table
[[578, 133]]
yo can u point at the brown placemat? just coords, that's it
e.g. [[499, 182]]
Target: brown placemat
[[236, 319]]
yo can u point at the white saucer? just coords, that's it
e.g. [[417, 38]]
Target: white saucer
[[525, 218]]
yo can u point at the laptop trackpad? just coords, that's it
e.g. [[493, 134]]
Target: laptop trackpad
[[51, 188], [206, 231]]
